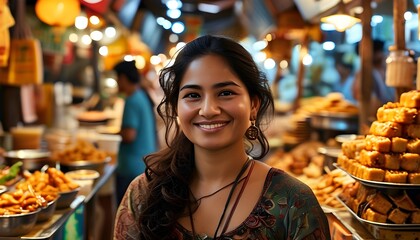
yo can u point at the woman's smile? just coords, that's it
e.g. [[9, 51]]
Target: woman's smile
[[211, 126]]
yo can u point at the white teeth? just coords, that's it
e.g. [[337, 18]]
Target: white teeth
[[211, 126]]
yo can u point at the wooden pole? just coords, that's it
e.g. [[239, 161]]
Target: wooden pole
[[399, 8], [301, 73], [366, 55]]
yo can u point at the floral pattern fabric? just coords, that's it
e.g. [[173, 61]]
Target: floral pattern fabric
[[287, 209]]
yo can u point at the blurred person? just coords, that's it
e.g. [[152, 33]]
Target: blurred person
[[344, 65], [208, 182], [138, 127], [381, 93]]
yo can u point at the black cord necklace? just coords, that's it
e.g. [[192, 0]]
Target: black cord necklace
[[233, 184], [198, 200]]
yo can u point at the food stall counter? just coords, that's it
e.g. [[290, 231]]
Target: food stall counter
[[48, 229]]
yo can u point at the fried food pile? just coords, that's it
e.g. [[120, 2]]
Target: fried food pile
[[82, 150], [20, 201], [35, 191]]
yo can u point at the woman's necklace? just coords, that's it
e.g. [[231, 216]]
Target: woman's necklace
[[198, 200], [235, 183]]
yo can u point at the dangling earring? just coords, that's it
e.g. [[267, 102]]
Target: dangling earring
[[252, 132]]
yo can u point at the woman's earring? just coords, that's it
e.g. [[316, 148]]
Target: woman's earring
[[252, 132]]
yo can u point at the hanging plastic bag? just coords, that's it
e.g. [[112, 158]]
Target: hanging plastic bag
[[25, 62]]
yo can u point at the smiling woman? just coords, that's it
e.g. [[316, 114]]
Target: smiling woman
[[206, 184]]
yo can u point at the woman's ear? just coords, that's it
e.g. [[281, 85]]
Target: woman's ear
[[255, 105]]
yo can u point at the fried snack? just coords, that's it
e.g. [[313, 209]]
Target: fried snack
[[82, 150], [372, 159], [392, 161], [20, 201], [386, 129], [397, 216], [413, 178], [61, 181], [378, 143], [413, 146], [379, 203], [373, 216], [410, 99], [48, 184], [330, 186], [413, 130], [410, 162], [395, 176], [398, 145], [394, 112]]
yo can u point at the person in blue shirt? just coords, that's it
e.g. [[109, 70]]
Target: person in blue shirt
[[138, 127], [346, 71]]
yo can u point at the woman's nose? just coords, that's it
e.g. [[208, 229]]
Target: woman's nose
[[209, 107]]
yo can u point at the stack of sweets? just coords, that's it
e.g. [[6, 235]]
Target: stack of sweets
[[391, 150]]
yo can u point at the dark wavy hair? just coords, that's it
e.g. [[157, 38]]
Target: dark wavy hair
[[169, 171]]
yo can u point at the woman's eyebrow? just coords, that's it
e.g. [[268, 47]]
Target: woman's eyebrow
[[189, 86], [217, 85]]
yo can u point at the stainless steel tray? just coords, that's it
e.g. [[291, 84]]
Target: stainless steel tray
[[377, 184], [405, 226], [335, 121]]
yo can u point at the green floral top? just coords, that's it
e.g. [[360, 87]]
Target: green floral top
[[287, 209]]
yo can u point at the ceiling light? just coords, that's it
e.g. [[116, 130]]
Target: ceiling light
[[341, 21], [178, 27], [173, 13], [209, 8]]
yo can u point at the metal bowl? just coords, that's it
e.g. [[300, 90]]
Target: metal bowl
[[46, 212], [330, 156], [17, 224], [66, 198], [98, 166], [335, 121], [32, 159]]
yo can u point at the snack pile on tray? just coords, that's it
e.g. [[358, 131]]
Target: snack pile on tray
[[330, 186], [81, 151], [51, 182], [396, 207], [20, 201], [391, 150]]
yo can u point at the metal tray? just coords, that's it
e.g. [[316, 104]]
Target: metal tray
[[404, 226], [335, 121], [377, 184]]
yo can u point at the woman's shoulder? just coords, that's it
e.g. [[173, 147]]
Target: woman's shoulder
[[138, 188], [278, 180]]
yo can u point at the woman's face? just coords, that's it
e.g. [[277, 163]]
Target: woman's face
[[214, 107]]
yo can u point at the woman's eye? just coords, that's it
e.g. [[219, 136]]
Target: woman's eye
[[191, 95], [226, 93]]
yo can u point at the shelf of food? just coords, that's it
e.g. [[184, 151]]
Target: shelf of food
[[377, 184], [84, 195], [404, 226]]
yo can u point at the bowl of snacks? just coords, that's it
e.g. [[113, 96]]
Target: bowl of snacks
[[17, 224], [82, 155], [32, 159], [96, 165], [19, 211], [66, 198], [46, 212]]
